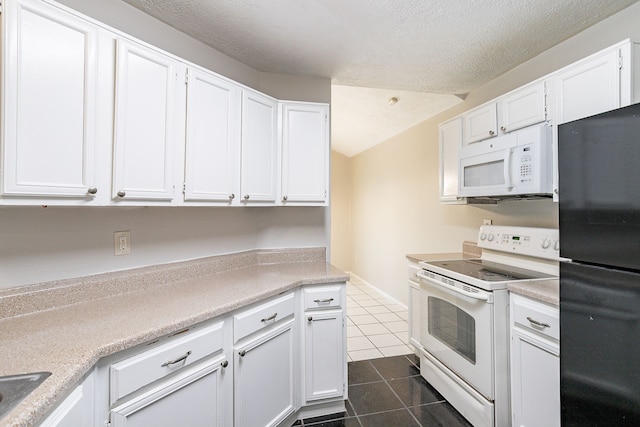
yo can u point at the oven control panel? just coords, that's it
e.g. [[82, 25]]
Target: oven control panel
[[530, 241]]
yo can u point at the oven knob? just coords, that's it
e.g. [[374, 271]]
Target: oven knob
[[556, 245], [483, 236], [546, 243], [490, 237]]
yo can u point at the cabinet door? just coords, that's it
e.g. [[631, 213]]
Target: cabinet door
[[324, 354], [524, 107], [450, 144], [198, 396], [535, 384], [263, 380], [259, 148], [50, 75], [305, 153], [76, 409], [212, 138], [144, 123], [590, 87], [480, 123]]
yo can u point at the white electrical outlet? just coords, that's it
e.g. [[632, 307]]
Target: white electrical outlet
[[122, 242], [487, 222]]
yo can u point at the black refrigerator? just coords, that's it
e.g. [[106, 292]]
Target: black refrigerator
[[599, 202]]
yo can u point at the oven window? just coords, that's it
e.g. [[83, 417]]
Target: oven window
[[453, 327]]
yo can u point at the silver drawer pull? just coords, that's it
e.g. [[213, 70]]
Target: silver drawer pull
[[224, 363], [311, 319], [320, 301], [539, 324], [272, 317], [179, 359], [241, 353]]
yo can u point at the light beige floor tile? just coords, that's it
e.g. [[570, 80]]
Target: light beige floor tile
[[374, 329], [403, 336], [386, 301], [377, 309], [365, 354], [355, 311], [359, 343], [387, 317], [396, 307], [369, 303], [354, 331], [396, 350], [400, 326], [350, 322], [404, 315], [362, 297], [384, 340], [354, 292], [363, 319]]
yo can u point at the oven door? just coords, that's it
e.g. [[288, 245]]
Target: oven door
[[456, 328]]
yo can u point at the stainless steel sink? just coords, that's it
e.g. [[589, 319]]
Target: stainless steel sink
[[14, 388]]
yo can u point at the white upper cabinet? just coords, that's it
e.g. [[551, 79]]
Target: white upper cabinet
[[212, 138], [523, 107], [305, 153], [480, 123], [588, 87], [450, 138], [145, 107], [259, 148], [50, 75]]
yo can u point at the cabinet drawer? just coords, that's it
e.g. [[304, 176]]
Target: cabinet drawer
[[536, 316], [263, 315], [322, 297], [137, 371]]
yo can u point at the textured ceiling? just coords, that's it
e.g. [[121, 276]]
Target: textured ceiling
[[431, 46]]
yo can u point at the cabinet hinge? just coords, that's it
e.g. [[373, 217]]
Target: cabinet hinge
[[620, 62], [184, 188], [186, 77]]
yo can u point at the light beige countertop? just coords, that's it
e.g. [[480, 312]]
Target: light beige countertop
[[546, 290], [115, 311]]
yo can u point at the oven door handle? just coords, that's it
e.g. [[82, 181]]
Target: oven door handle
[[476, 296]]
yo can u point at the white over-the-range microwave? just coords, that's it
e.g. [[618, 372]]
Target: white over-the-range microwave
[[514, 164]]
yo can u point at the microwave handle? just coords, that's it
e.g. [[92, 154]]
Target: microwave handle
[[507, 168], [481, 297]]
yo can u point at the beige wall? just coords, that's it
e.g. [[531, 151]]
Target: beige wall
[[394, 188], [341, 181]]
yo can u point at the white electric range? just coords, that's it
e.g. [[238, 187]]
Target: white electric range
[[464, 310]]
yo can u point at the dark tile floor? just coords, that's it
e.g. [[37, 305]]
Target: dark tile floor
[[390, 392]]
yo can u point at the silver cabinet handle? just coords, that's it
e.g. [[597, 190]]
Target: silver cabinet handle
[[232, 196], [540, 324], [224, 363], [503, 129], [320, 301], [311, 319], [285, 198], [92, 190], [246, 197], [179, 359], [242, 353], [121, 194], [491, 133], [272, 317]]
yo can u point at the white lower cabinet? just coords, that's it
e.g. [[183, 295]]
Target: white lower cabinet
[[324, 373], [535, 363], [196, 396], [76, 409], [263, 378], [251, 368]]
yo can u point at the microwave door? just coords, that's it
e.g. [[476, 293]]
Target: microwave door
[[487, 174]]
